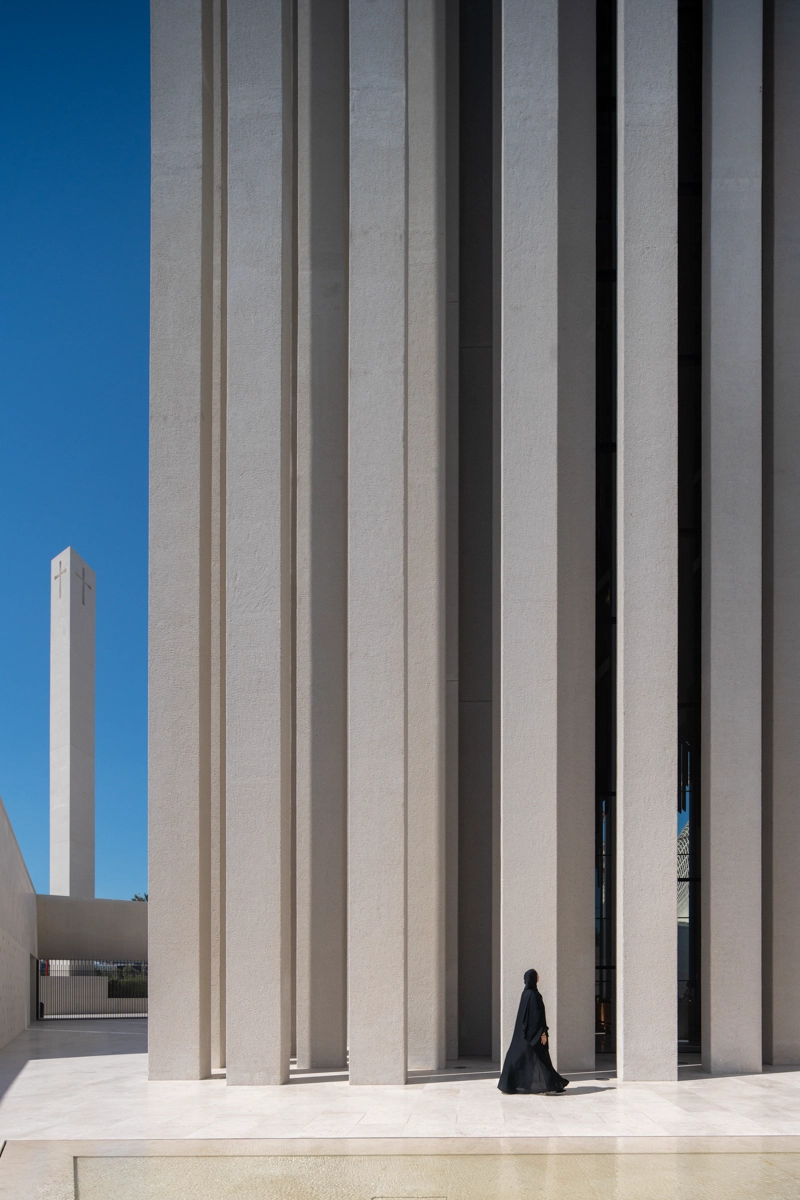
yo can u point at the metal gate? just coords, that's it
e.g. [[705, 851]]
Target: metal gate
[[75, 988]]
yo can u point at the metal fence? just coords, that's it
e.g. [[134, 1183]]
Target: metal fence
[[72, 988]]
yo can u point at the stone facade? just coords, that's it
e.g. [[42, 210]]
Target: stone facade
[[433, 645]]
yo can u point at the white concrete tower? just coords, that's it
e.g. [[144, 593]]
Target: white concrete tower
[[72, 641]]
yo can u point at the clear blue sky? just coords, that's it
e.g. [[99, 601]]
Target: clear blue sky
[[74, 144]]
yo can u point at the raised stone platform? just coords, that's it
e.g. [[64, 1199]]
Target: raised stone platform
[[88, 1080], [392, 1169], [82, 1119]]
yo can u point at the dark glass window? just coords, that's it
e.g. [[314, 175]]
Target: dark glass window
[[690, 231], [606, 516]]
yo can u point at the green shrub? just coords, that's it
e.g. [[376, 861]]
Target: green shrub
[[127, 989]]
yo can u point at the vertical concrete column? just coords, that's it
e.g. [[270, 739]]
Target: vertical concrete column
[[782, 496], [73, 588], [259, 693], [498, 114], [475, 520], [180, 543], [647, 533], [731, 676], [322, 534], [451, 523], [546, 526], [577, 136], [528, 500], [377, 690], [426, 533], [218, 489]]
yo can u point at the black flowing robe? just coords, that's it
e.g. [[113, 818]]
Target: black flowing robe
[[527, 1067]]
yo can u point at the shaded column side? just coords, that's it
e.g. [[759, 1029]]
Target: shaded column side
[[218, 490], [782, 534], [321, 861], [426, 533], [731, 668]]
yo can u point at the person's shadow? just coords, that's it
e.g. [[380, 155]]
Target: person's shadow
[[583, 1091]]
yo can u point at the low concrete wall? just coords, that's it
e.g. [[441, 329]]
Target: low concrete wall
[[17, 934], [100, 929]]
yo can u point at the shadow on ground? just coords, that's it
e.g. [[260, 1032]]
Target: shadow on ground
[[71, 1039]]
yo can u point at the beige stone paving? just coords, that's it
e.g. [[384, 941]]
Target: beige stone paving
[[88, 1080]]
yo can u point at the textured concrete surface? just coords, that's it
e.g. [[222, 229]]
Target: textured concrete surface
[[451, 529], [647, 537], [528, 458], [377, 498], [113, 929], [321, 788], [576, 532], [179, 599], [17, 934], [782, 575], [259, 652], [73, 602], [546, 591], [732, 518], [231, 207], [454, 1177], [425, 614], [218, 498]]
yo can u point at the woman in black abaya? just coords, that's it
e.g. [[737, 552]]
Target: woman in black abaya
[[528, 1067]]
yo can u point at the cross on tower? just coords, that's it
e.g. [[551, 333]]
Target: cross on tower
[[61, 571], [85, 583]]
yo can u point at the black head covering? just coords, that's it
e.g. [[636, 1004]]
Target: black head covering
[[530, 979]]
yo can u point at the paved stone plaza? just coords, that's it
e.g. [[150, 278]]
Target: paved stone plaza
[[82, 1119], [88, 1080]]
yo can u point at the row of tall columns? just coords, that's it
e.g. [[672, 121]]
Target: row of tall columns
[[781, 928], [227, 446], [322, 515], [546, 519], [221, 542], [304, 670], [732, 527]]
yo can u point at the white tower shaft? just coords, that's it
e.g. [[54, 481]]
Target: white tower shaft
[[72, 662]]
